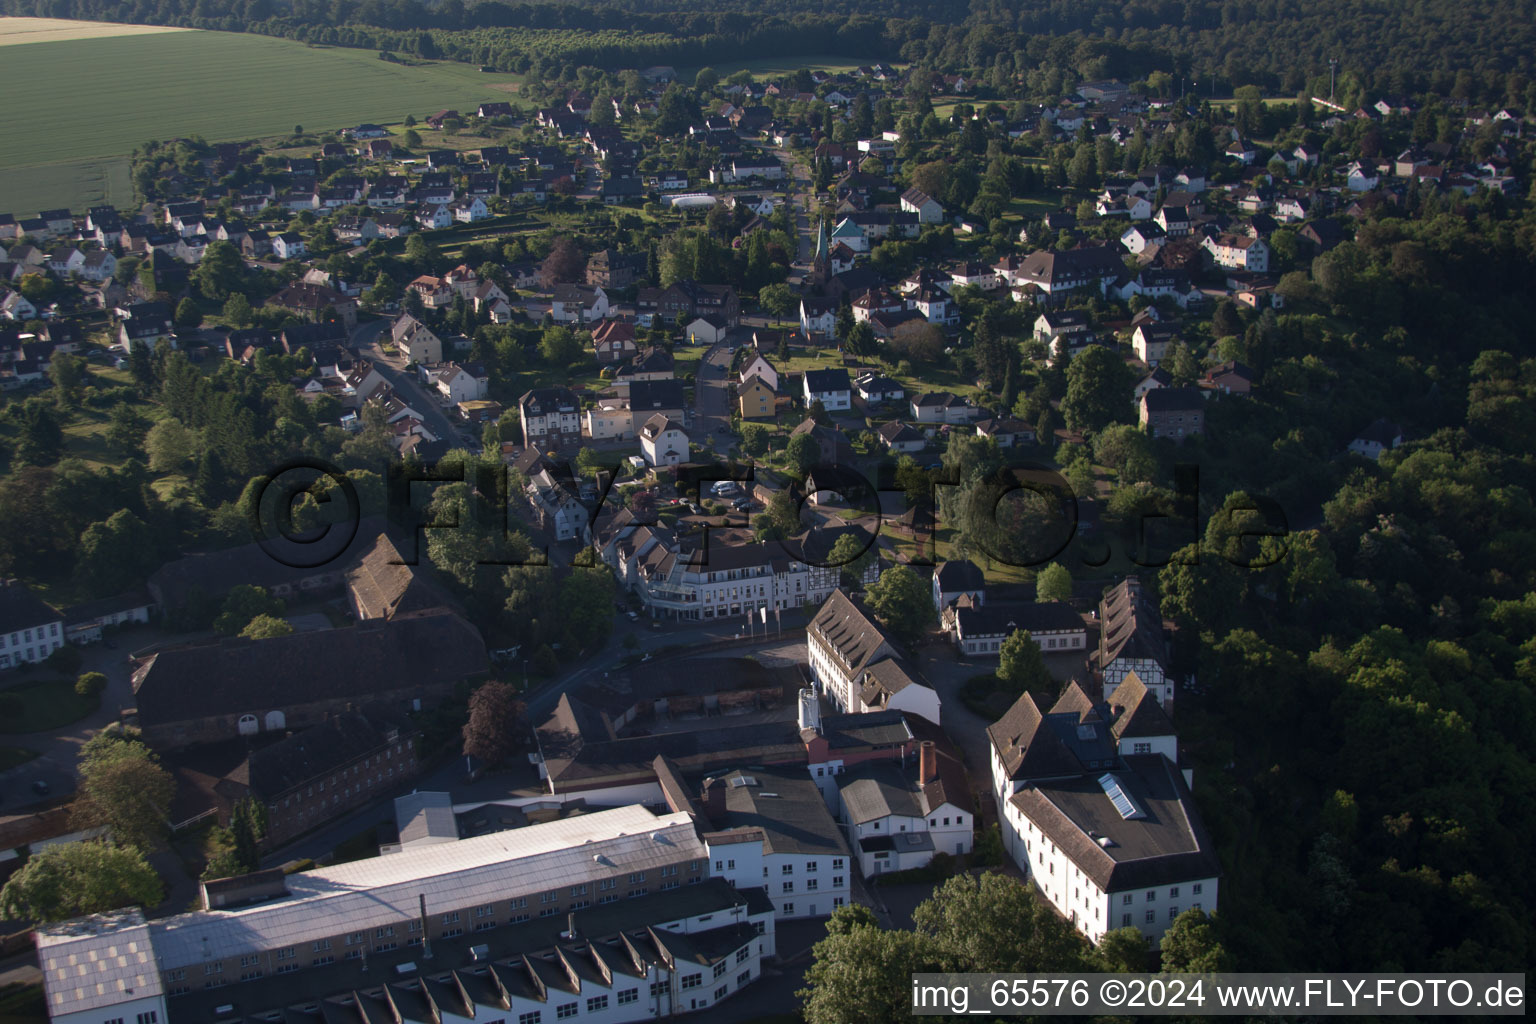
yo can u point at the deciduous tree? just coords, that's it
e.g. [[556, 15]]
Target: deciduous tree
[[495, 717], [902, 603], [124, 789], [74, 879]]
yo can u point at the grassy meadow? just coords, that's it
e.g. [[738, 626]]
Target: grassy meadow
[[77, 107]]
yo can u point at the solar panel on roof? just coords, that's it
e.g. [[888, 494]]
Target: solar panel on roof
[[1118, 796]]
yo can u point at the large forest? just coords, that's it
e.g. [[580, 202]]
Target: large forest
[[1476, 49]]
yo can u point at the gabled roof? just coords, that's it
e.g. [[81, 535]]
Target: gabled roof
[[1130, 625], [1029, 748], [1137, 711], [845, 625], [21, 609]]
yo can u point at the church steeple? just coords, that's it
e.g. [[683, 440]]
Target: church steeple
[[821, 264]]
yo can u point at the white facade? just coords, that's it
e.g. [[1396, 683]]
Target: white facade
[[31, 645], [800, 885], [1079, 899]]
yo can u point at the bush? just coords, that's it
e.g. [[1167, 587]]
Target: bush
[[989, 847], [66, 659], [91, 684]]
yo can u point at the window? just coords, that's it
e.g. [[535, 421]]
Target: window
[[531, 1017], [720, 969], [637, 892], [217, 967], [286, 969], [1151, 916], [484, 926], [837, 863], [720, 993], [638, 876], [286, 953], [1126, 899], [548, 897], [549, 911], [1173, 891], [250, 961], [354, 954], [810, 866], [1173, 912], [1196, 888], [628, 995], [657, 988], [149, 1016], [385, 947], [612, 897], [787, 869], [386, 932], [250, 975], [743, 953], [810, 884], [789, 909], [322, 945], [1151, 895], [1141, 748], [452, 918], [519, 903], [596, 1003], [744, 977], [933, 822], [1125, 919], [322, 961], [565, 1010], [414, 928], [607, 884], [578, 890], [692, 981], [179, 974], [719, 865], [789, 886], [837, 881]]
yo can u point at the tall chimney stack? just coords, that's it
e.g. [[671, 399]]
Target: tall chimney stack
[[927, 763]]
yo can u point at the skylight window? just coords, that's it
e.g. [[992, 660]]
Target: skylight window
[[1119, 797]]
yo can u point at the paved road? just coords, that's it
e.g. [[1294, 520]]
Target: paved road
[[60, 748], [366, 340], [712, 399]]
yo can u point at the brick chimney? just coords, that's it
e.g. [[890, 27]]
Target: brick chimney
[[927, 763]]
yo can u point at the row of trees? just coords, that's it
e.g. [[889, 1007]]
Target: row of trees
[[976, 924]]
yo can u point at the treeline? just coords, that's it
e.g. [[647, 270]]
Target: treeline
[[1481, 50]]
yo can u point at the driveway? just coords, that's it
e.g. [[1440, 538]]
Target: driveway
[[60, 748]]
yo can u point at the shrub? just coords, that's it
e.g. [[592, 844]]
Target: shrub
[[91, 684]]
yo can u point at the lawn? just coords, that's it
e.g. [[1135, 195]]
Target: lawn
[[773, 67], [46, 705], [245, 87], [78, 184]]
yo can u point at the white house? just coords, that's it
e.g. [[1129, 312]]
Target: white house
[[457, 384], [958, 578], [16, 306], [1150, 341], [663, 442], [772, 831], [979, 631], [1238, 252], [1380, 436], [898, 816], [578, 304], [30, 630], [830, 387], [900, 439], [818, 317], [289, 246], [1094, 809], [468, 211], [758, 366], [928, 209], [1359, 178], [857, 667]]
